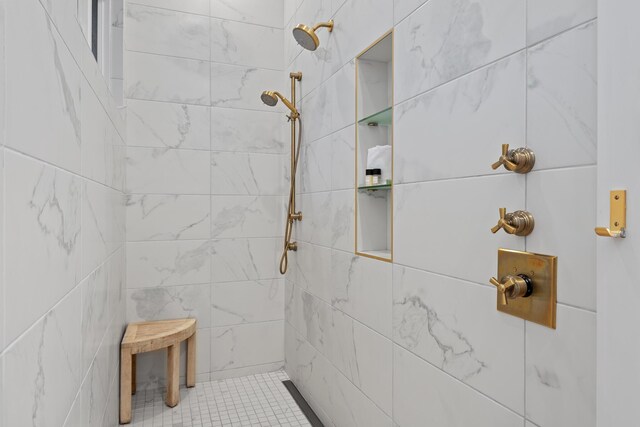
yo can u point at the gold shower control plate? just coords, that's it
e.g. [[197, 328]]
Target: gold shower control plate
[[540, 307]]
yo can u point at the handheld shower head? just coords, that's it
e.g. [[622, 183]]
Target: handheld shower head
[[307, 37], [270, 98]]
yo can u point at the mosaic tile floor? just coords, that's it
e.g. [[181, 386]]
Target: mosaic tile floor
[[254, 400]]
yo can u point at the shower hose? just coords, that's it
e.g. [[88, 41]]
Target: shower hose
[[284, 259]]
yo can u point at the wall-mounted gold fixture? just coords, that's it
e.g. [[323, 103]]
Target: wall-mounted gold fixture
[[519, 160], [617, 216], [520, 223], [306, 36], [527, 286]]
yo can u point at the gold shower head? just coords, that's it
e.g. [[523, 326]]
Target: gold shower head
[[306, 36], [270, 98]]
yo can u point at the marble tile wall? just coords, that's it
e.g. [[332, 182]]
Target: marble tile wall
[[62, 262], [419, 342], [205, 178]]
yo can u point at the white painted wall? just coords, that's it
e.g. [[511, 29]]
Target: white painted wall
[[205, 178], [419, 342], [62, 282]]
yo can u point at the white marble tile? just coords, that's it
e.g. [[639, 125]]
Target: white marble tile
[[166, 32], [441, 398], [237, 43], [44, 89], [247, 345], [2, 238], [200, 7], [561, 99], [165, 78], [343, 225], [404, 8], [170, 302], [167, 125], [310, 268], [423, 240], [245, 259], [265, 12], [317, 221], [240, 87], [472, 116], [102, 150], [247, 302], [343, 158], [246, 216], [343, 107], [571, 191], [445, 321], [314, 166], [166, 263], [167, 171], [546, 18], [160, 217], [42, 369], [96, 313], [247, 173], [363, 356], [103, 224], [249, 131], [362, 288], [314, 108], [42, 245], [290, 7], [561, 370], [64, 14], [445, 39]]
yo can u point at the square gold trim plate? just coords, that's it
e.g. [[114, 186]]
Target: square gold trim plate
[[540, 307]]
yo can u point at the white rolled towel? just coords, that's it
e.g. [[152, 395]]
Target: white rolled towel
[[379, 157]]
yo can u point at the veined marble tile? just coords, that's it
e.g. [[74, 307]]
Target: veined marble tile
[[167, 171], [201, 7], [310, 268], [247, 174], [342, 162], [314, 166], [247, 216], [166, 78], [561, 99], [240, 87], [249, 131], [445, 39], [421, 242], [290, 8], [103, 223], [438, 396], [317, 221], [546, 18], [167, 125], [166, 32], [44, 94], [343, 109], [167, 263], [170, 302], [43, 369], [561, 370], [245, 259], [103, 153], [247, 302], [314, 107], [475, 114], [343, 225], [445, 321], [160, 217], [571, 191], [64, 14], [96, 313], [244, 44], [247, 345], [363, 356], [264, 12], [42, 245], [3, 239], [362, 288], [403, 8]]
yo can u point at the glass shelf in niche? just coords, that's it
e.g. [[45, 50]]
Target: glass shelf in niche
[[381, 118], [374, 187]]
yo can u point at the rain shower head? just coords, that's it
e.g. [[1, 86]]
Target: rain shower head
[[306, 36], [270, 98]]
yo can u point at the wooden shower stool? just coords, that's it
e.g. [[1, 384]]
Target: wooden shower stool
[[143, 337]]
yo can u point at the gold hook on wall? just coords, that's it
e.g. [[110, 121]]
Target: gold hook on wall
[[617, 216]]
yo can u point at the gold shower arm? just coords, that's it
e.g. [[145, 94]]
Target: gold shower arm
[[328, 24], [290, 106]]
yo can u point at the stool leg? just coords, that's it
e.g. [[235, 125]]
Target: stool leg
[[125, 386], [173, 375], [191, 360], [133, 373]]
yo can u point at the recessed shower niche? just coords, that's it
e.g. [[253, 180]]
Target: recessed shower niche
[[374, 150]]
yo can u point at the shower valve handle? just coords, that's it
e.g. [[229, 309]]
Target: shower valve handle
[[519, 160], [520, 223], [296, 216], [513, 287]]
